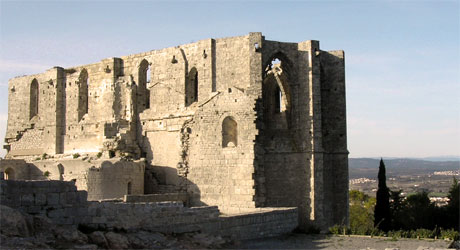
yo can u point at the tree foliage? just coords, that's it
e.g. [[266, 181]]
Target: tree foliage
[[410, 216], [453, 207], [361, 212], [382, 216]]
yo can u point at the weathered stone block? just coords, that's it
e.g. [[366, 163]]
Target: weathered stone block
[[71, 197], [40, 199], [62, 198], [34, 209], [56, 213], [27, 200], [52, 199]]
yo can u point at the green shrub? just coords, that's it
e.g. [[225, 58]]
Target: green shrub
[[424, 233], [339, 229], [450, 234], [377, 232], [400, 234], [44, 156], [46, 174], [99, 155], [76, 155]]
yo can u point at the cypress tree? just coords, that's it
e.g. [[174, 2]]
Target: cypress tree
[[382, 218]]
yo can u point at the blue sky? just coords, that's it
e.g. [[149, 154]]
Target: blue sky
[[402, 57]]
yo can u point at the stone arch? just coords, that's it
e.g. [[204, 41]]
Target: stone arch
[[276, 89], [191, 87], [144, 77], [229, 132], [34, 99], [284, 62], [83, 101], [9, 174]]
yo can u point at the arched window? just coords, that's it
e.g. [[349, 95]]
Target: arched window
[[9, 174], [144, 78], [33, 106], [191, 87], [83, 82], [229, 132], [278, 99]]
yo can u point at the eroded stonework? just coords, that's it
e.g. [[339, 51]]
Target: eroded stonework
[[238, 122]]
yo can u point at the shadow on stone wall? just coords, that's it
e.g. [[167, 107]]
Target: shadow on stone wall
[[155, 182]]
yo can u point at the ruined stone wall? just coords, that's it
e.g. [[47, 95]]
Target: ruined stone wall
[[232, 64], [217, 173], [108, 105], [334, 138], [69, 119], [238, 122], [60, 201], [31, 128], [15, 169], [303, 131], [285, 127], [103, 179], [173, 217], [115, 179]]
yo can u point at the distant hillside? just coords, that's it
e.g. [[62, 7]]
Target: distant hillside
[[368, 168]]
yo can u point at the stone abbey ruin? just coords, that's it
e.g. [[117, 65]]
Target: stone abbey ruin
[[240, 123]]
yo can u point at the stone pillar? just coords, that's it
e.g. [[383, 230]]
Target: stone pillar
[[316, 194]]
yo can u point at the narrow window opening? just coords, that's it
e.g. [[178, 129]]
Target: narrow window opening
[[144, 78], [83, 83], [278, 99], [229, 132], [256, 47], [191, 87], [34, 98], [147, 73], [9, 174], [129, 191]]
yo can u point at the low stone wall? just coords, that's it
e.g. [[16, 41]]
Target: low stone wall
[[155, 216], [173, 217], [263, 222], [58, 200], [61, 202]]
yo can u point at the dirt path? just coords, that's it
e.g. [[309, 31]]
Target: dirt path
[[302, 241]]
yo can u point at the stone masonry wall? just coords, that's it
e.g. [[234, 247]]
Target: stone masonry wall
[[115, 179], [20, 169], [222, 174], [102, 178], [61, 202], [334, 134], [285, 104], [173, 217], [58, 200]]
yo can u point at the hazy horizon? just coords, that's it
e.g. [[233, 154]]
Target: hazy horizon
[[402, 59]]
